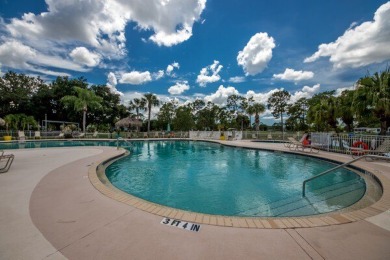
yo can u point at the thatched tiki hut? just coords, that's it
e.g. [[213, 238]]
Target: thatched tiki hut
[[128, 122]]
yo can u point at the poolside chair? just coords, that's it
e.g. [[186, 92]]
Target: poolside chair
[[145, 135], [299, 146], [290, 143], [5, 161], [21, 135], [197, 134], [269, 136], [382, 150], [37, 135], [95, 134], [61, 135]]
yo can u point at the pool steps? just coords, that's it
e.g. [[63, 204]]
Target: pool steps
[[291, 207]]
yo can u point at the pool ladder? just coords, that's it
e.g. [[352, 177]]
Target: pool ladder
[[123, 140], [340, 166]]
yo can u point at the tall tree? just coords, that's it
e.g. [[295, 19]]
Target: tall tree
[[166, 114], [297, 114], [85, 99], [16, 91], [206, 118], [257, 109], [111, 111], [376, 90], [322, 112], [61, 87], [278, 102], [237, 105], [137, 104], [345, 108], [151, 101], [183, 120]]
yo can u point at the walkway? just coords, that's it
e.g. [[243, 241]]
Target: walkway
[[50, 210]]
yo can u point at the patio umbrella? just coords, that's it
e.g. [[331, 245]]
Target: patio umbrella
[[2, 122], [128, 122], [168, 128]]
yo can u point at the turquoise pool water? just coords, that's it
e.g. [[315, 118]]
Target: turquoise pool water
[[215, 179]]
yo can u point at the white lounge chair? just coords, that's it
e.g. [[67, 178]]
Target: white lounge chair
[[37, 135], [5, 161], [382, 150], [21, 135], [298, 146], [61, 135]]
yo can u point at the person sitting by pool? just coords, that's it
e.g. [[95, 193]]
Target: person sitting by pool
[[305, 140]]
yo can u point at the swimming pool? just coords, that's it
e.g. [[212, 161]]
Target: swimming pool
[[215, 179]]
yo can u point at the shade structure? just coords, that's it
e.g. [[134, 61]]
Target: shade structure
[[128, 122], [2, 122]]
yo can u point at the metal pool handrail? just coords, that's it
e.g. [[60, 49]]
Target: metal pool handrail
[[340, 166], [121, 139]]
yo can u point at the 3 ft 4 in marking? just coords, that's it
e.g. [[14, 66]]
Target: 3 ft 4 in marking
[[181, 224]]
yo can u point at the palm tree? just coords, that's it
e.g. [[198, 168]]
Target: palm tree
[[151, 101], [376, 90], [258, 108], [137, 104], [85, 99]]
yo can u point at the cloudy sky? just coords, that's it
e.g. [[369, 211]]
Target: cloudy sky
[[188, 49]]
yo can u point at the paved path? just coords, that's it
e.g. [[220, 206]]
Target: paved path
[[50, 210]]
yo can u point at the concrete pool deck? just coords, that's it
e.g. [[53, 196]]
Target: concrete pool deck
[[50, 210]]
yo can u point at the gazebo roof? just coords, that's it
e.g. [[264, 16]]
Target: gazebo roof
[[127, 122]]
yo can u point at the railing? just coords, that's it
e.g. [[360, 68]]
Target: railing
[[123, 140], [340, 166], [217, 135], [30, 134], [342, 143]]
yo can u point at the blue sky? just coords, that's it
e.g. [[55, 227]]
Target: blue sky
[[188, 49]]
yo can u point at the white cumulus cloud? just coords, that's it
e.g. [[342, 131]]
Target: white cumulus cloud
[[360, 45], [260, 97], [179, 88], [209, 74], [136, 78], [158, 75], [171, 21], [98, 28], [256, 54], [171, 67], [306, 92], [15, 54], [221, 95], [83, 56], [112, 82], [237, 79], [294, 75]]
